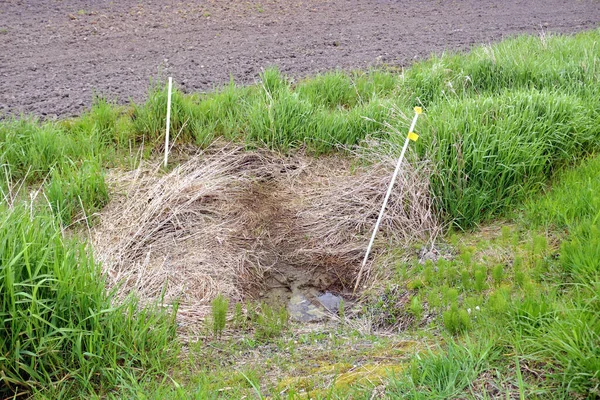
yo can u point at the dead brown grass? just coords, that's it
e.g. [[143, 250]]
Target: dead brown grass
[[226, 219]]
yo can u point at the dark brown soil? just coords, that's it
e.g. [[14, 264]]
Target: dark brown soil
[[269, 232], [55, 53]]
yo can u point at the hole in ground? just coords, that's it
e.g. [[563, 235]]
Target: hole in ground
[[309, 290], [251, 224]]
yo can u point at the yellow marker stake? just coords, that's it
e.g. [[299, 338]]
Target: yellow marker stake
[[411, 136]]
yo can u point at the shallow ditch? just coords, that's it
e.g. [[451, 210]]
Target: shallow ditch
[[309, 291]]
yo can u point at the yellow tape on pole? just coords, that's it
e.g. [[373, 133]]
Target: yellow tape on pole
[[411, 136]]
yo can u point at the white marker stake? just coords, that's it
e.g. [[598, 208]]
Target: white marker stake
[[411, 136], [168, 121]]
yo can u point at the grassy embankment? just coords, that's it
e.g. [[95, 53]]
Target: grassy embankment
[[517, 308]]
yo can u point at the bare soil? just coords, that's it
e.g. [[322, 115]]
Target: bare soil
[[55, 54]]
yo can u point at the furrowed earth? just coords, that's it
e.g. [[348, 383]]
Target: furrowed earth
[[55, 55]]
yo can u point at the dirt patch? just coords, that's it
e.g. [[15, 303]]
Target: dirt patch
[[271, 217], [55, 54], [253, 225]]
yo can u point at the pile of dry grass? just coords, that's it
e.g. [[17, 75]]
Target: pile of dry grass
[[226, 219]]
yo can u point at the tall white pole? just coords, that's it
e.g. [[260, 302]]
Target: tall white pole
[[411, 136], [168, 121]]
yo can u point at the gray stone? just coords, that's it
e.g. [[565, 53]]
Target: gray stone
[[301, 309], [330, 302]]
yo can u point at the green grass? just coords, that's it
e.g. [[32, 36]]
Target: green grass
[[219, 307], [560, 209], [276, 113], [528, 62], [499, 120], [444, 375], [536, 301], [77, 192], [492, 151], [31, 150], [504, 126], [60, 331]]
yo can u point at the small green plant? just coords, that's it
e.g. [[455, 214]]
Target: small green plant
[[415, 284], [506, 234], [450, 296], [239, 320], [499, 301], [416, 308], [539, 246], [442, 265], [452, 274], [519, 275], [428, 273], [433, 298], [219, 307], [498, 274], [480, 278], [465, 279], [466, 256], [456, 320], [270, 322]]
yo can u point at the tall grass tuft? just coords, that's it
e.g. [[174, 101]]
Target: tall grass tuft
[[77, 192], [58, 325], [492, 151], [30, 150], [106, 124]]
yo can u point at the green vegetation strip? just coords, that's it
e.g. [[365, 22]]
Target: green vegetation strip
[[529, 290], [60, 330], [501, 122]]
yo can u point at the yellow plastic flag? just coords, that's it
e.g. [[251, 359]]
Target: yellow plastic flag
[[413, 136], [418, 110]]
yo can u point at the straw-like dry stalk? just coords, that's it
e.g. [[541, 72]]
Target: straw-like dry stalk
[[235, 222]]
